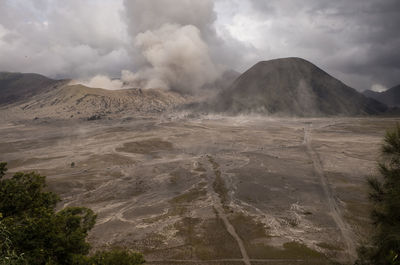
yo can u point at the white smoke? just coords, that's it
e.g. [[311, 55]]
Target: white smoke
[[172, 41], [179, 59], [169, 46], [101, 81]]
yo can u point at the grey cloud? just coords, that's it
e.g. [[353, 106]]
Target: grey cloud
[[62, 39], [357, 41], [145, 15]]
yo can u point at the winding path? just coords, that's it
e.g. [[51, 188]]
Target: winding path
[[218, 206], [333, 207]]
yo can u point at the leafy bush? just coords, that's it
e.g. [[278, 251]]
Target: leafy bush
[[8, 256], [32, 232]]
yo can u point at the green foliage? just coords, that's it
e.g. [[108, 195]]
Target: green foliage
[[384, 247], [3, 169], [32, 232], [8, 255], [23, 194], [35, 228]]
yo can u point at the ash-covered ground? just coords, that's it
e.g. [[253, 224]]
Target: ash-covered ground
[[212, 189]]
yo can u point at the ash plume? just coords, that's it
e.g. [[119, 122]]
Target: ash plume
[[100, 81], [178, 59], [172, 43]]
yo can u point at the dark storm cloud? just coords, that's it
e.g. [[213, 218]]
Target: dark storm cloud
[[190, 42], [357, 40]]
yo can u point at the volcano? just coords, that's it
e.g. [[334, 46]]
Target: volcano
[[294, 87]]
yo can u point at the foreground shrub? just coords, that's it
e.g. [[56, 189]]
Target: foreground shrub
[[32, 232], [384, 245]]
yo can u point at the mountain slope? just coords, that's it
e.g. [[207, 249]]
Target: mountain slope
[[293, 86], [16, 87], [390, 97], [83, 102], [31, 96]]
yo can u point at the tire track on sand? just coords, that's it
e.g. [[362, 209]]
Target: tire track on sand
[[218, 206], [334, 210]]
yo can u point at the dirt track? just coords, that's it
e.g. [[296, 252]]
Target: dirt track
[[218, 205], [345, 230]]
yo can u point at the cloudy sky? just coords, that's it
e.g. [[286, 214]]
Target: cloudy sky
[[188, 43]]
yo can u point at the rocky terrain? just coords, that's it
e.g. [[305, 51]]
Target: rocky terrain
[[17, 87], [77, 101]]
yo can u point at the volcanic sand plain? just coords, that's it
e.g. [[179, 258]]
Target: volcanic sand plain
[[210, 189]]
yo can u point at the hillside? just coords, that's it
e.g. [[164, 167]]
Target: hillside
[[390, 97], [15, 87], [294, 87], [30, 96], [84, 102]]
